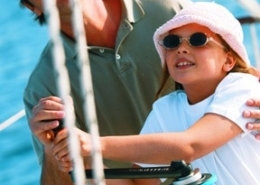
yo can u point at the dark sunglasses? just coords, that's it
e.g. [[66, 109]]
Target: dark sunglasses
[[197, 39]]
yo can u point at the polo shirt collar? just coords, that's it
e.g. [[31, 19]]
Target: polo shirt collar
[[134, 10], [69, 47]]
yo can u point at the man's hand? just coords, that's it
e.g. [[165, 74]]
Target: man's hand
[[45, 117], [253, 114]]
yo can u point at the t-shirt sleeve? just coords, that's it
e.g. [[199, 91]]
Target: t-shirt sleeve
[[151, 124], [231, 96]]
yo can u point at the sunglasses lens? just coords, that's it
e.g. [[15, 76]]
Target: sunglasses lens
[[171, 41], [198, 39]]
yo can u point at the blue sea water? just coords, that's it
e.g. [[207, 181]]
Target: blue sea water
[[21, 42]]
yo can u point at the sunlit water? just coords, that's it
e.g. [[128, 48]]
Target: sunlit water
[[21, 42]]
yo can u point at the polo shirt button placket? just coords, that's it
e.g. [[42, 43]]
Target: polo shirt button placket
[[101, 50], [118, 56]]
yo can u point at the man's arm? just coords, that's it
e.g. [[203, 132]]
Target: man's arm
[[42, 120]]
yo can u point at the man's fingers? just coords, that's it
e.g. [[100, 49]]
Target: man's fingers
[[253, 126], [52, 98], [257, 136], [48, 116], [48, 104], [256, 127], [65, 166], [253, 102], [47, 110], [43, 126], [252, 114]]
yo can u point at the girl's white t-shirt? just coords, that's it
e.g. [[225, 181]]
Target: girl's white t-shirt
[[238, 161]]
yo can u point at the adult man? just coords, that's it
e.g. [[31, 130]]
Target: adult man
[[126, 71]]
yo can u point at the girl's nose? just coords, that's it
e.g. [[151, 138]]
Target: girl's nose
[[183, 47]]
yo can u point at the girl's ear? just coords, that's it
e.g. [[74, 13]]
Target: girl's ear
[[32, 8], [230, 62]]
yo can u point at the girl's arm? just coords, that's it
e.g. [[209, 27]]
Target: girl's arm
[[61, 152], [205, 136]]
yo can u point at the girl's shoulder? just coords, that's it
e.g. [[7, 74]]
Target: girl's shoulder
[[238, 84], [236, 79], [238, 76]]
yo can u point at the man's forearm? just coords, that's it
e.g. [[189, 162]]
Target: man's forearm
[[51, 175]]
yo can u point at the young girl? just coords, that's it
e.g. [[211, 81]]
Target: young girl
[[202, 49]]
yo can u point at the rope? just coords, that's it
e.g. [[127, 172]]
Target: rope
[[63, 85], [87, 93], [12, 119], [252, 6]]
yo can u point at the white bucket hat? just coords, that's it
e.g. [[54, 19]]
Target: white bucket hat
[[214, 16]]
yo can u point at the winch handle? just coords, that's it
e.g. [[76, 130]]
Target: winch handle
[[177, 169]]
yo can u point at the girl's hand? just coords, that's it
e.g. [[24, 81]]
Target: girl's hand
[[61, 149]]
